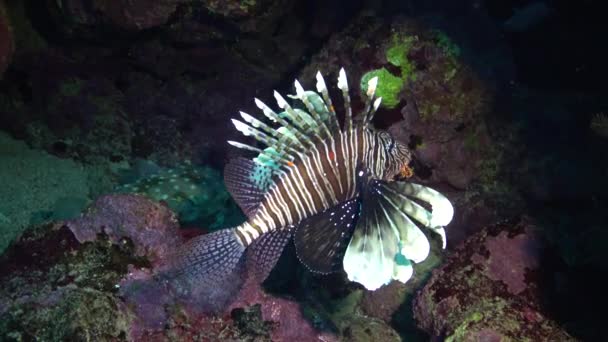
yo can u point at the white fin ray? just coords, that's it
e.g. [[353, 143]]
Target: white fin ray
[[286, 140], [322, 88], [369, 257], [348, 115], [303, 96], [277, 151], [441, 213], [300, 119], [368, 113], [287, 129], [244, 146], [386, 241]]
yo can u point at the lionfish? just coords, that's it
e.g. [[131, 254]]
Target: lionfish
[[334, 188]]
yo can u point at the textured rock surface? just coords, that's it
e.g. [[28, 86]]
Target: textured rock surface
[[433, 98], [489, 289], [54, 288], [6, 39], [129, 15], [151, 226], [289, 324], [37, 184]]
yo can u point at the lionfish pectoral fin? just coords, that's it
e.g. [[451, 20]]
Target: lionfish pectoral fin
[[373, 257], [321, 239], [386, 240], [247, 182], [436, 219], [264, 252]]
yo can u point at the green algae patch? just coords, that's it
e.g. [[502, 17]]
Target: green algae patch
[[445, 43], [397, 55], [389, 86], [461, 331]]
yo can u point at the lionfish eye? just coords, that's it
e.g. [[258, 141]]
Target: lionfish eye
[[388, 141], [391, 145]]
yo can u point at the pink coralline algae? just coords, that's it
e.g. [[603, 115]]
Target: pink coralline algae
[[288, 322], [154, 306], [151, 226], [488, 289], [510, 258]]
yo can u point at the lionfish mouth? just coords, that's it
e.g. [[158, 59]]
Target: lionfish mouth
[[404, 173]]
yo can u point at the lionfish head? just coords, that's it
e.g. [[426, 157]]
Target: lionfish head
[[398, 158]]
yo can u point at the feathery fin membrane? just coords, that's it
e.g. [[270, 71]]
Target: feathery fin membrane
[[247, 182], [299, 128], [386, 239], [206, 270], [321, 239], [264, 252]]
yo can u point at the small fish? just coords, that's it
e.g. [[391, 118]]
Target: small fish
[[331, 187]]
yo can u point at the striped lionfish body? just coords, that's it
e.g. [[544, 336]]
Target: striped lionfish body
[[322, 178], [331, 187]]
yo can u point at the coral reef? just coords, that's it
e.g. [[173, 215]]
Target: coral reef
[[93, 278], [35, 182], [76, 16], [196, 194], [101, 86], [489, 288], [151, 226], [54, 288], [433, 99], [289, 322], [85, 120]]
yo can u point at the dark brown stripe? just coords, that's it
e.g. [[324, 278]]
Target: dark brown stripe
[[271, 213], [310, 187], [291, 206], [342, 167], [330, 176], [241, 237]]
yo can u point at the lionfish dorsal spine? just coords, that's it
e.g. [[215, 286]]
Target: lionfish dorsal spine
[[370, 109], [273, 116], [322, 88], [299, 118], [348, 112], [302, 95]]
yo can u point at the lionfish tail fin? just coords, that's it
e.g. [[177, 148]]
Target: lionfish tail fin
[[207, 270]]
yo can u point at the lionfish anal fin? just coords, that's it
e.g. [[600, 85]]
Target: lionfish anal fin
[[264, 252]]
